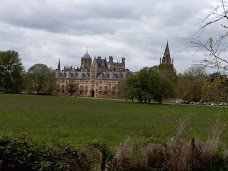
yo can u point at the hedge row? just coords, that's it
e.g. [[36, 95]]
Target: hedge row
[[19, 152]]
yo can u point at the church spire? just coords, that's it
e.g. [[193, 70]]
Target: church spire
[[166, 59], [167, 54], [59, 65]]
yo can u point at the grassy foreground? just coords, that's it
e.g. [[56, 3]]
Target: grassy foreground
[[75, 120]]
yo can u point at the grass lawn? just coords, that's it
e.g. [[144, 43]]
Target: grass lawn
[[75, 120]]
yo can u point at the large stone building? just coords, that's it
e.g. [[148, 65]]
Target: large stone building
[[96, 77]]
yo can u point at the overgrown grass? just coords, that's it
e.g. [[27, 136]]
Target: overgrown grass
[[76, 120]]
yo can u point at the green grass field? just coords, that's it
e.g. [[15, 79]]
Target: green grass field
[[77, 120]]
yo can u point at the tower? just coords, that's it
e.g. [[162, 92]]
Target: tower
[[166, 67], [59, 65], [86, 61], [166, 59]]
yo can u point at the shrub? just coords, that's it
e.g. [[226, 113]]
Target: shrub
[[106, 154], [21, 153], [130, 156]]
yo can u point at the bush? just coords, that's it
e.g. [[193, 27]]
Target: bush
[[21, 153]]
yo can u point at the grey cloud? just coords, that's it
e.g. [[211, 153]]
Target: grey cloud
[[90, 17], [44, 30]]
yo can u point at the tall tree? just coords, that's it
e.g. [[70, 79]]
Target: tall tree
[[190, 84], [42, 78], [148, 84], [131, 89], [168, 71], [11, 69], [51, 82]]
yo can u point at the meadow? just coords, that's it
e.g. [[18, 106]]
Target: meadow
[[76, 120]]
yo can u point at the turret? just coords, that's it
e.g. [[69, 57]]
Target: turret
[[86, 61], [110, 59], [123, 61], [59, 65]]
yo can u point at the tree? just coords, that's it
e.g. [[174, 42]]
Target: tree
[[51, 82], [164, 89], [168, 71], [215, 88], [11, 69], [214, 46], [190, 84], [118, 90], [131, 89], [72, 87], [42, 78], [148, 84]]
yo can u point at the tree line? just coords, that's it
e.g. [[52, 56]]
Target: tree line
[[161, 82], [14, 79], [156, 83]]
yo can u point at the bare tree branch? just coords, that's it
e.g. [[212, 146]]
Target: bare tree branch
[[214, 47]]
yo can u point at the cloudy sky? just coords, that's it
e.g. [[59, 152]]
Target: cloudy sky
[[42, 31]]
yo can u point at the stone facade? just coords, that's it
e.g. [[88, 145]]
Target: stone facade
[[94, 78]]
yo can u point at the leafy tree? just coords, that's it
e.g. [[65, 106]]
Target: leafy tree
[[215, 88], [168, 71], [42, 78], [190, 84], [131, 87], [11, 69], [27, 83], [164, 89], [51, 82], [148, 84]]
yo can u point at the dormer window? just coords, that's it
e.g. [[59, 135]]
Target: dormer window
[[83, 75]]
